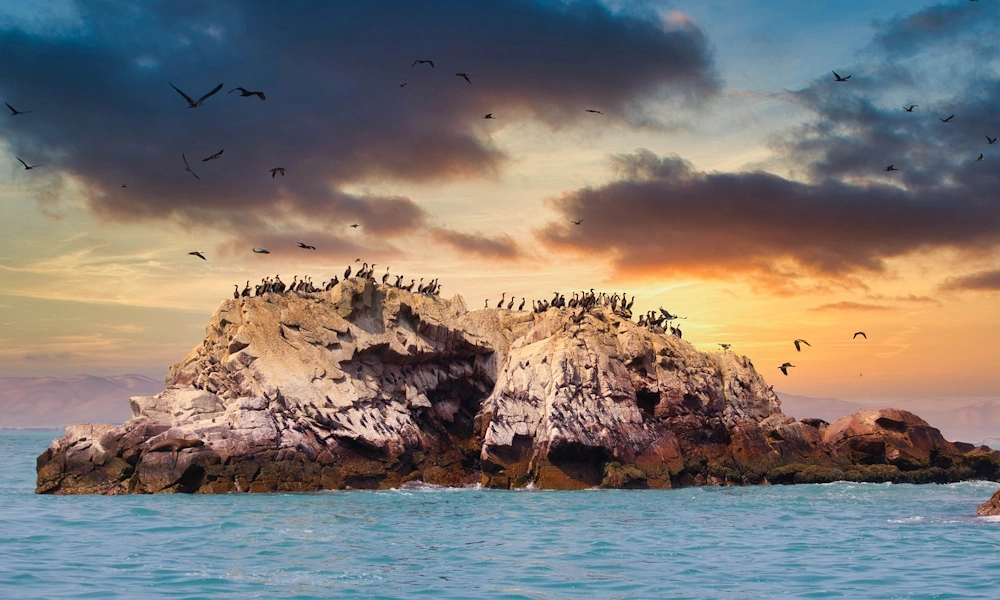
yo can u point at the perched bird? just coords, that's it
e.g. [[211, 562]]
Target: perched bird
[[198, 254], [591, 110], [464, 76], [991, 140], [187, 168], [980, 159], [946, 120], [839, 78], [306, 246], [784, 368], [910, 108], [26, 167], [245, 92], [891, 168], [213, 157], [726, 346], [421, 62], [14, 111], [261, 251], [861, 333], [798, 348], [192, 103], [355, 225], [578, 222], [488, 116], [277, 170]]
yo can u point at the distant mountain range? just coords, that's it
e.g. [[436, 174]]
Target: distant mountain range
[[977, 422], [60, 401]]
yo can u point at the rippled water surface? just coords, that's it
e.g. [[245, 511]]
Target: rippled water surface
[[809, 541]]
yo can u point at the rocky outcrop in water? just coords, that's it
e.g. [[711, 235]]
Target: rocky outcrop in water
[[370, 386]]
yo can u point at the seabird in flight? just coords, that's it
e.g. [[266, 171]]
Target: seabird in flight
[[797, 343], [784, 368], [213, 157], [839, 78], [245, 92], [420, 62], [355, 225], [198, 254], [488, 116], [578, 222], [192, 103], [14, 111], [861, 333], [591, 110], [991, 140], [946, 120], [306, 246], [910, 108], [277, 170], [980, 159], [26, 167], [187, 168], [891, 168], [261, 251], [464, 76]]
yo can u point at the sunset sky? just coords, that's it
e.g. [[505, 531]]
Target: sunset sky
[[730, 178]]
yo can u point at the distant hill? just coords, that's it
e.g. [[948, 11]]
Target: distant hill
[[61, 401], [977, 422]]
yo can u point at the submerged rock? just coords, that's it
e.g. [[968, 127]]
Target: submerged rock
[[370, 386]]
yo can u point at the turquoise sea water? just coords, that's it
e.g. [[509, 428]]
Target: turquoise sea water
[[810, 541]]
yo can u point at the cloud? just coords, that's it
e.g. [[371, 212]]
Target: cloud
[[104, 115], [851, 306], [983, 281], [500, 247]]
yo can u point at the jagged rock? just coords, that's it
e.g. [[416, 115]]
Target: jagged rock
[[991, 507], [369, 386]]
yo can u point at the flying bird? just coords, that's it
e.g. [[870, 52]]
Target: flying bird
[[798, 348], [306, 246], [26, 167], [192, 103], [421, 62], [784, 368], [213, 157], [578, 222], [14, 111], [355, 225], [668, 316], [991, 140], [591, 110], [980, 159], [946, 120], [261, 251], [187, 168], [198, 254], [488, 116], [839, 78], [861, 333], [402, 84], [910, 108], [891, 168], [277, 170], [464, 76], [245, 92]]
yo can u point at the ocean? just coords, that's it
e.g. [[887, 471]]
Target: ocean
[[841, 540]]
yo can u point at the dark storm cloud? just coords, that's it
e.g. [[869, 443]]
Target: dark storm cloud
[[335, 114], [942, 23], [500, 247], [665, 217], [984, 281]]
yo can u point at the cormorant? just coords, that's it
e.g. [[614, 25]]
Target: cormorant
[[910, 108], [347, 273], [798, 348], [420, 62], [306, 246], [891, 168], [784, 368], [839, 78], [261, 251], [192, 103], [26, 167], [187, 167], [510, 304], [464, 76], [861, 333], [236, 292], [948, 120], [726, 346], [500, 304], [591, 110], [980, 159], [245, 93], [991, 140], [213, 157], [521, 307], [277, 170], [14, 111], [198, 254], [488, 116], [578, 222]]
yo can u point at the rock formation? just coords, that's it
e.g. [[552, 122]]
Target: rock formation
[[371, 386]]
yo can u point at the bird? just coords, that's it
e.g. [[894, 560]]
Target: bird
[[861, 333], [14, 111], [245, 92], [402, 84], [123, 185], [192, 103], [991, 140], [946, 120], [187, 168], [213, 157], [488, 116], [261, 251], [891, 168], [726, 346], [420, 62], [198, 254], [798, 347], [578, 222], [306, 246], [980, 159], [276, 171], [464, 76], [591, 110], [784, 368], [26, 167], [839, 78], [521, 306], [355, 225], [910, 108]]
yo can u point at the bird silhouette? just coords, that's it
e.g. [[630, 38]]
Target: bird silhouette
[[245, 93], [910, 108], [421, 62], [948, 120], [355, 226], [578, 222], [980, 159], [213, 157], [198, 254], [14, 111], [861, 333], [991, 140], [798, 348], [839, 78], [891, 168], [192, 103], [464, 76], [784, 368], [306, 246], [402, 84], [261, 251], [26, 167], [277, 170], [726, 346], [591, 110], [187, 168], [488, 116]]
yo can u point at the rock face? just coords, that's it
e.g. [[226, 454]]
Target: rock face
[[370, 386], [991, 507]]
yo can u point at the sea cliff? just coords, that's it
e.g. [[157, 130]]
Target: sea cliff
[[371, 386]]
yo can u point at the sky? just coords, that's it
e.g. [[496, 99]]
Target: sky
[[728, 177]]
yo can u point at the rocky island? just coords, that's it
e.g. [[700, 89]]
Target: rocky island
[[370, 386]]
